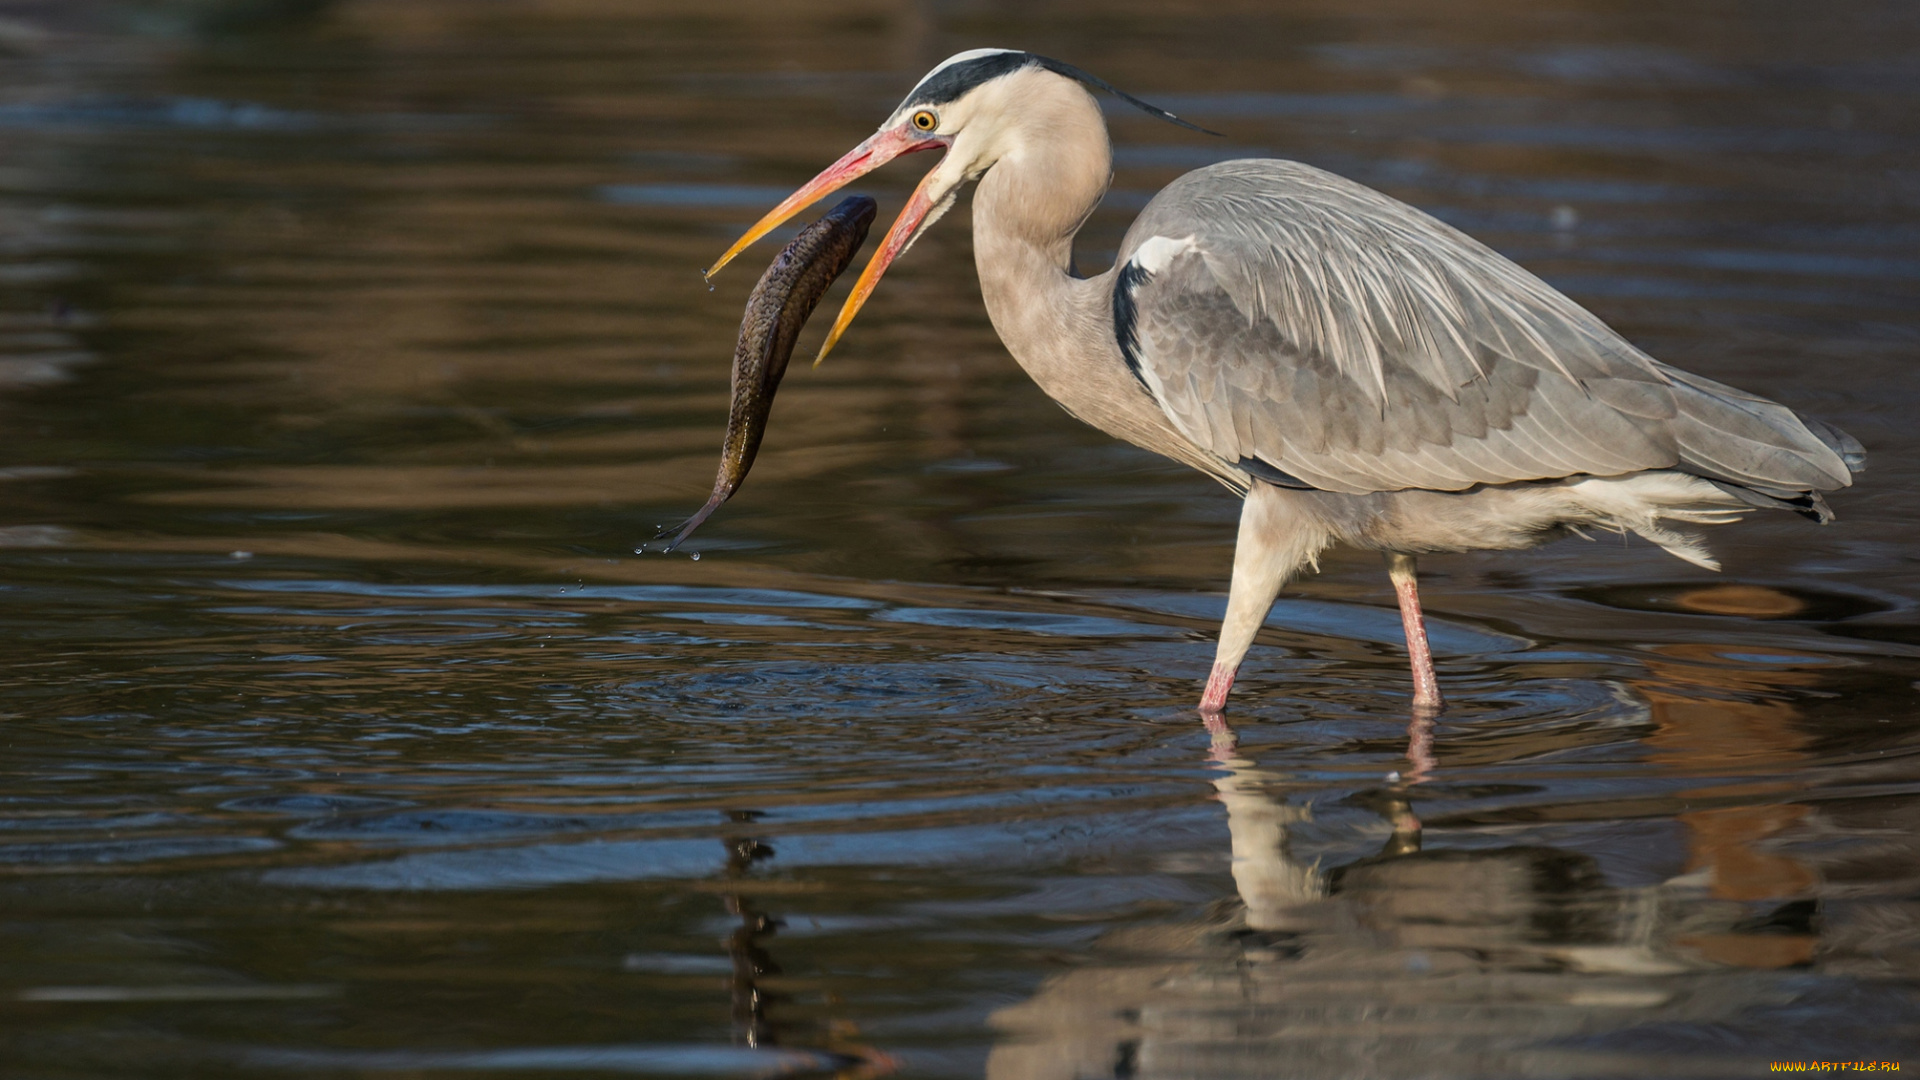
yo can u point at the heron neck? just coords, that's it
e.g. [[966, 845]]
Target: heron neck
[[1026, 210], [1057, 325]]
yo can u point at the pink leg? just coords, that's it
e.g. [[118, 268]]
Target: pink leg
[[1219, 683], [1275, 540], [1426, 686]]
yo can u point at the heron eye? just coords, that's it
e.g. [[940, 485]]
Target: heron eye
[[925, 120]]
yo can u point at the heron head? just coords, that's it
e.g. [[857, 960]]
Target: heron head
[[971, 104]]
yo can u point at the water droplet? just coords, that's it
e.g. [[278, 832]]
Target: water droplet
[[696, 556]]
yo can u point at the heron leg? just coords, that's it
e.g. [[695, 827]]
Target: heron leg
[[1426, 686], [1275, 541]]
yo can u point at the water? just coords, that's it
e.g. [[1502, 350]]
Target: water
[[348, 350]]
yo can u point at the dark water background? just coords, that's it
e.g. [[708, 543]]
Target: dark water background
[[347, 351]]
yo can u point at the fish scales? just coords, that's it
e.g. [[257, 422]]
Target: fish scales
[[776, 310]]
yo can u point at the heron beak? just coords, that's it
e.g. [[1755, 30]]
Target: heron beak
[[880, 148], [905, 228]]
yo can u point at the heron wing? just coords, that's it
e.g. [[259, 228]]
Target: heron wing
[[1296, 323]]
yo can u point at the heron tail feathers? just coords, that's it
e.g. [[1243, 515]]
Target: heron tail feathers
[[1731, 437]]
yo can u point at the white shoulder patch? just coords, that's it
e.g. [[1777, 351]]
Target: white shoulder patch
[[1154, 255]]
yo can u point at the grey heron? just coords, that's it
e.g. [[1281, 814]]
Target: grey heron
[[1358, 371]]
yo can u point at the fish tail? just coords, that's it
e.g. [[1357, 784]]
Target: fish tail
[[685, 528]]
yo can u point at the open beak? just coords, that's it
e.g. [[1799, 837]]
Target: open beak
[[904, 229], [881, 148]]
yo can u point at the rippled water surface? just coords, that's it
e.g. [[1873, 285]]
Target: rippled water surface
[[349, 349]]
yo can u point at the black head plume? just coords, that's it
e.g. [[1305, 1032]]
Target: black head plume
[[1090, 79], [956, 78]]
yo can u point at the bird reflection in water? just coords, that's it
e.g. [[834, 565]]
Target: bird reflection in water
[[1415, 960]]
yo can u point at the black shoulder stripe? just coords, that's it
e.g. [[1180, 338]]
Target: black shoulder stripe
[[1267, 472], [1126, 318], [1126, 330]]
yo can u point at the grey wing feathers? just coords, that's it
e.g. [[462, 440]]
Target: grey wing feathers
[[1284, 315]]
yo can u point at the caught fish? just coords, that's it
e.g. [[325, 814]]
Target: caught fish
[[777, 309]]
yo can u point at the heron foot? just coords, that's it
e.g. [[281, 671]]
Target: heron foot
[[1219, 683]]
